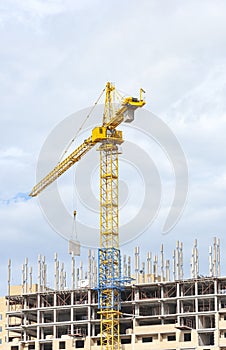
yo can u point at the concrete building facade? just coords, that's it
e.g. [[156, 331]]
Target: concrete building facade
[[3, 310], [183, 314], [4, 307]]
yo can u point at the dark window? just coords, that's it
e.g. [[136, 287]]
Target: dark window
[[79, 344], [126, 341], [171, 337], [14, 347], [187, 337], [224, 317], [211, 339], [206, 339], [225, 335], [47, 346], [31, 347], [62, 345], [147, 340]]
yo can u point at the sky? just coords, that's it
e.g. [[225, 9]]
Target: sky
[[56, 57]]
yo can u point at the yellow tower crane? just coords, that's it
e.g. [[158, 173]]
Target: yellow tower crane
[[109, 261]]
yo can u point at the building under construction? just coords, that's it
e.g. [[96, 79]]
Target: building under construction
[[109, 307], [158, 311]]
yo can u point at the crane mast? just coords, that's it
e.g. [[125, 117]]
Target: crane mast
[[109, 259]]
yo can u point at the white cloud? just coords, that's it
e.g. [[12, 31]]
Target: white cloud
[[55, 58], [12, 153], [28, 11]]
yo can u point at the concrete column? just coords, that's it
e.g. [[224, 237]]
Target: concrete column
[[133, 340], [136, 310], [89, 313], [72, 318], [137, 263], [162, 311], [215, 298], [38, 319], [196, 304], [37, 345], [178, 302]]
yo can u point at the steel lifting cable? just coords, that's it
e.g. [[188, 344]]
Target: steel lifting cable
[[74, 234], [82, 125]]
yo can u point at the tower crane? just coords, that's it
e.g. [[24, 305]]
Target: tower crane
[[109, 260]]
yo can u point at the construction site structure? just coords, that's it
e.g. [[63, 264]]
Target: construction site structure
[[157, 312], [117, 109]]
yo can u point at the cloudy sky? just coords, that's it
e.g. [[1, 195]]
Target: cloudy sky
[[56, 56]]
